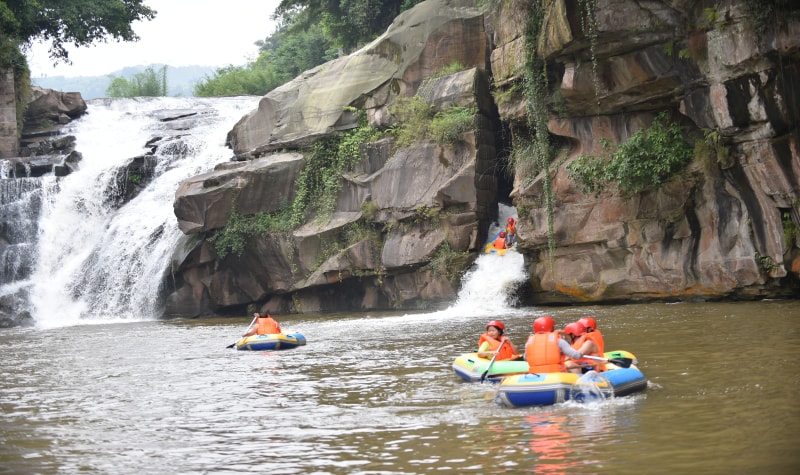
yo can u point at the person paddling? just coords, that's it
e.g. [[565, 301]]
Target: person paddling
[[586, 345], [489, 343], [263, 325]]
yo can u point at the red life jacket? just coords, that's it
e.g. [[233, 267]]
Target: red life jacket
[[506, 352], [543, 355]]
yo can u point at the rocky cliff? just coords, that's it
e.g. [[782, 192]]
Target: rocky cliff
[[344, 194]]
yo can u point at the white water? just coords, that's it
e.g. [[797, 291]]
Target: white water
[[98, 264]]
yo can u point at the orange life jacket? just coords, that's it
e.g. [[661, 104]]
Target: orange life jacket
[[500, 243], [543, 355], [267, 326], [597, 338], [511, 228], [506, 352]]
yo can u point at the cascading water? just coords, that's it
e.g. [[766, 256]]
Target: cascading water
[[95, 262], [490, 286]]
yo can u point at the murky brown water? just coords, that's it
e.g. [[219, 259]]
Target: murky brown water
[[377, 395]]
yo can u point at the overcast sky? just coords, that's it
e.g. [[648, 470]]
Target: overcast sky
[[183, 33]]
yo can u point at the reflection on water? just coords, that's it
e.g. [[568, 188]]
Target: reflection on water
[[376, 394]]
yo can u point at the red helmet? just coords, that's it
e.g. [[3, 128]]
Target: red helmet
[[589, 322], [544, 324], [575, 329], [502, 234], [496, 323], [510, 220]]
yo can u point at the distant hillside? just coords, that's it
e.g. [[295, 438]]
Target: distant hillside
[[180, 80]]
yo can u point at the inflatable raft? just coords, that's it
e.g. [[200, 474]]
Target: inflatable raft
[[276, 341], [545, 389], [470, 367], [490, 249]]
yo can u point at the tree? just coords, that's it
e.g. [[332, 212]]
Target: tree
[[63, 22], [283, 56], [347, 22], [149, 83]]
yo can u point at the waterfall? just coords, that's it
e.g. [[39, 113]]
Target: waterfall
[[93, 261], [20, 200], [489, 287]]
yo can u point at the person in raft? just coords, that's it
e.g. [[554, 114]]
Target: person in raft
[[586, 344], [489, 342], [263, 325], [511, 232], [593, 333], [500, 242], [545, 350]]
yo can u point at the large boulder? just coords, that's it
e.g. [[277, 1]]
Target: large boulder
[[362, 254]]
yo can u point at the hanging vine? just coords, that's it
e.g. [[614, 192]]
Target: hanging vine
[[535, 91], [588, 14]]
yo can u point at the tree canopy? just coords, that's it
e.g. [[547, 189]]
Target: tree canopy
[[64, 22], [347, 23], [310, 33]]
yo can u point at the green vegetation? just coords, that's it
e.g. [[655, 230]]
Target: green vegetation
[[77, 22], [232, 238], [347, 23], [766, 263], [145, 84], [419, 121], [321, 178], [645, 161], [535, 89], [316, 190], [282, 57], [451, 68], [309, 34], [448, 262]]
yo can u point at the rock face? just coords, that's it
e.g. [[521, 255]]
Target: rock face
[[409, 218], [727, 225], [399, 213]]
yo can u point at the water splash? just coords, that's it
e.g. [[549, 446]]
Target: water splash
[[490, 287], [591, 387]]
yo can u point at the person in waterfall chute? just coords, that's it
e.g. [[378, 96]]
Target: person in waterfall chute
[[263, 325], [500, 241], [586, 344], [489, 343], [511, 231], [545, 350]]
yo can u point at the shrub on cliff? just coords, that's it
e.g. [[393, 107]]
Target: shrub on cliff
[[645, 161]]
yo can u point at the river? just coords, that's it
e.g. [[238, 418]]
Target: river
[[376, 394]]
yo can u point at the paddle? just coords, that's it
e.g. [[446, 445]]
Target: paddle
[[621, 362], [483, 376], [248, 329]]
